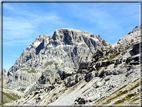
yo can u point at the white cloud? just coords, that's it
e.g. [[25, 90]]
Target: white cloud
[[26, 24]]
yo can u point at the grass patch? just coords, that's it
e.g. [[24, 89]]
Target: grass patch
[[119, 89], [47, 63], [32, 71], [135, 80], [113, 56], [128, 97], [63, 65], [107, 79], [63, 90], [82, 86], [98, 68], [106, 67], [101, 99], [56, 66], [118, 95], [7, 87], [135, 99], [85, 90], [49, 71], [103, 59], [54, 94], [25, 69], [136, 85], [9, 97], [21, 89]]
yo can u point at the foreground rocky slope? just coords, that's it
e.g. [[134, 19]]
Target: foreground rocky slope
[[110, 76]]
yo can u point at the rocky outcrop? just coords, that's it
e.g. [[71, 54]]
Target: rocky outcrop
[[130, 38], [136, 48], [70, 46]]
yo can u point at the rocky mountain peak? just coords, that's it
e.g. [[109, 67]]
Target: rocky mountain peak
[[70, 36], [65, 50]]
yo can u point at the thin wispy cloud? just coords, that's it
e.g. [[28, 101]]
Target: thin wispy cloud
[[23, 22], [108, 19], [18, 42], [25, 27]]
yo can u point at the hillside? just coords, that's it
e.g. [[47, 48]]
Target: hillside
[[74, 67]]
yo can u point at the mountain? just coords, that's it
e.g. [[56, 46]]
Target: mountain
[[75, 68], [63, 51]]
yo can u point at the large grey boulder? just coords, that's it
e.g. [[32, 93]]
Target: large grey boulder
[[136, 48]]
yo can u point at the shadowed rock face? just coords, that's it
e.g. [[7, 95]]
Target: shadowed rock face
[[70, 46]]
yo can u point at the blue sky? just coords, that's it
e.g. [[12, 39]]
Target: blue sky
[[24, 22]]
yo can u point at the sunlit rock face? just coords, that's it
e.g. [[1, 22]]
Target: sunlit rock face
[[67, 46]]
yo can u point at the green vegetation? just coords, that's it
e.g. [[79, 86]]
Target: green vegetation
[[136, 85], [63, 90], [9, 97], [21, 89], [47, 63], [113, 56], [54, 94], [122, 87], [135, 99], [135, 80], [83, 86], [128, 97], [56, 66], [32, 70], [25, 69], [101, 99], [107, 79], [118, 89], [94, 55], [63, 65], [98, 68], [103, 59], [118, 95], [7, 87], [85, 90], [49, 70], [106, 66]]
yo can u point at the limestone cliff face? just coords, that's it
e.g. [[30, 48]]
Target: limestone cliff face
[[67, 46], [4, 74]]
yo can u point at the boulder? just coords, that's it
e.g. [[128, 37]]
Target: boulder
[[136, 48], [80, 100], [89, 76]]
